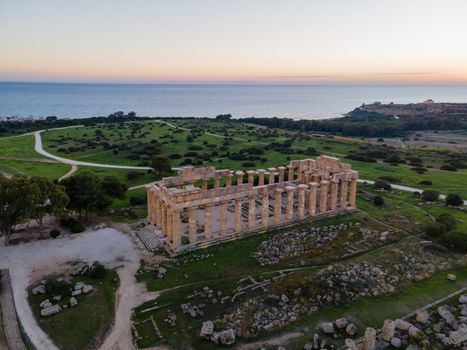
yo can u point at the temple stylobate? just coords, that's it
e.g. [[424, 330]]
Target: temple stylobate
[[202, 206]]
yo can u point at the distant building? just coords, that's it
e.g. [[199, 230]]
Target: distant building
[[429, 101]]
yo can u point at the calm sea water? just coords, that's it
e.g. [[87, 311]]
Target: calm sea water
[[202, 100]]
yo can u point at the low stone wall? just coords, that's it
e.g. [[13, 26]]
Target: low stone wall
[[10, 320]]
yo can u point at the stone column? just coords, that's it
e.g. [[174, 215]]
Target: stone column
[[369, 339], [312, 199], [323, 200], [272, 172], [307, 178], [282, 173], [176, 234], [290, 177], [278, 205], [343, 199], [239, 174], [164, 218], [223, 218], [265, 208], [238, 216], [251, 212], [389, 328], [289, 207], [204, 184], [169, 224], [334, 184], [228, 180], [149, 204], [157, 211], [207, 221], [261, 177], [251, 177], [301, 200], [192, 225], [216, 180], [353, 193]]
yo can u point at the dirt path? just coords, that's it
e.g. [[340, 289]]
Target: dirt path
[[71, 172], [276, 341], [30, 262]]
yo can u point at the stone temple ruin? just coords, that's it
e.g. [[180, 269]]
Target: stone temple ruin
[[202, 206]]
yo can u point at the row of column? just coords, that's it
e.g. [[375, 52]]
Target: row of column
[[251, 177], [320, 199]]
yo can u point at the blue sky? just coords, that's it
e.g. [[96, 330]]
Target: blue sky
[[216, 40]]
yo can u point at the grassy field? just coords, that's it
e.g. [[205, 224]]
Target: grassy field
[[408, 299], [22, 146], [214, 142], [48, 170], [228, 263], [84, 326]]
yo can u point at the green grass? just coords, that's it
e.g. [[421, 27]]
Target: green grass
[[371, 312], [84, 326], [22, 146], [48, 170]]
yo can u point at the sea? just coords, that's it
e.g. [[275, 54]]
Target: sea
[[79, 100]]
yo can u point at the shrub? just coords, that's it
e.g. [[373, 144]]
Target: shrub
[[435, 230], [55, 287], [175, 156], [454, 199], [97, 271], [133, 175], [446, 220], [54, 233], [389, 178], [382, 184], [311, 151], [393, 159], [248, 164], [136, 200], [378, 201], [426, 183], [457, 164], [71, 223], [448, 167], [456, 240], [419, 169], [430, 195]]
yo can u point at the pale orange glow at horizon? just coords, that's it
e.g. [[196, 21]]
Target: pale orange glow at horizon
[[266, 41]]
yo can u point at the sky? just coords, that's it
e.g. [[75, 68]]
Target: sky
[[265, 41]]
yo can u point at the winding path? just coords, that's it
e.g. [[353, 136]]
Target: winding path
[[39, 149], [74, 163]]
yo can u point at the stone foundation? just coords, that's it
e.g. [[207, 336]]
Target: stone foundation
[[203, 206]]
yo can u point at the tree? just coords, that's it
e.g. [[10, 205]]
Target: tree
[[16, 201], [113, 187], [89, 193], [379, 201], [454, 199], [382, 184], [435, 230], [447, 220], [48, 198], [430, 195], [224, 117], [161, 165]]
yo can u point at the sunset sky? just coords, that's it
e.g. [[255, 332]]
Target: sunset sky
[[266, 41]]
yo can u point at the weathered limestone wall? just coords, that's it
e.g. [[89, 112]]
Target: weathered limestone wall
[[200, 206]]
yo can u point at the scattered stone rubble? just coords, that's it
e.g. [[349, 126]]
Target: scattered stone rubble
[[298, 243], [336, 285], [226, 337]]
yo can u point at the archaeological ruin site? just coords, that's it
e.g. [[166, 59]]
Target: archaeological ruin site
[[202, 206]]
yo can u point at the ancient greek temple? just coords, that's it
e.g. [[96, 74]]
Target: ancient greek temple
[[202, 206]]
